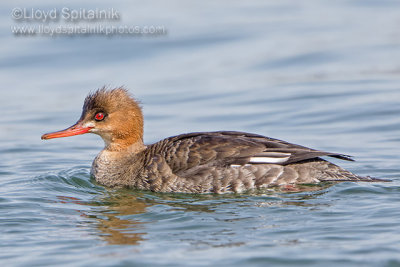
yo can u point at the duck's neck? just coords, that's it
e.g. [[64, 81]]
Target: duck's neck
[[123, 148], [131, 144], [118, 166]]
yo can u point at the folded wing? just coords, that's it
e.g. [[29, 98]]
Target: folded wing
[[187, 151]]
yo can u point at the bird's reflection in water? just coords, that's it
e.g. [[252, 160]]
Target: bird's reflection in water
[[116, 224], [116, 212]]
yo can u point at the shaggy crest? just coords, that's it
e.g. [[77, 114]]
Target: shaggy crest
[[110, 100]]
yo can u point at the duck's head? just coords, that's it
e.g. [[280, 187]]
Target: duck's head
[[112, 114]]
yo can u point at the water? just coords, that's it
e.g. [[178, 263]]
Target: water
[[324, 75]]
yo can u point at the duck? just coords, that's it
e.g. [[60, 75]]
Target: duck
[[200, 162]]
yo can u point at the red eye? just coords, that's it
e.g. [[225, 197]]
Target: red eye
[[99, 116]]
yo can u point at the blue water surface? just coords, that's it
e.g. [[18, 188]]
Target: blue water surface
[[317, 73]]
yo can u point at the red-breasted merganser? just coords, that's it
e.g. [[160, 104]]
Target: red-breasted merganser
[[203, 162]]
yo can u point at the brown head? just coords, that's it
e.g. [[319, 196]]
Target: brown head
[[112, 114]]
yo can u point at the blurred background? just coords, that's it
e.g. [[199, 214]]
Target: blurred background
[[318, 69], [324, 74]]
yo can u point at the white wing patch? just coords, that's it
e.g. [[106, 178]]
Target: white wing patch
[[268, 159], [237, 166]]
